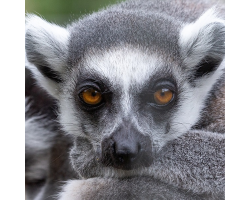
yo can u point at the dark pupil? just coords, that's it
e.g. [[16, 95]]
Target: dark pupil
[[93, 93], [162, 94]]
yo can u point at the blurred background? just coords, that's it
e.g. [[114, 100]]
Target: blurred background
[[63, 12]]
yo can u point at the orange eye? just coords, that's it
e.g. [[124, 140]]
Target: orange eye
[[163, 96], [91, 96]]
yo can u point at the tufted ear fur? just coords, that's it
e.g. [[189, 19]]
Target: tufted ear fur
[[46, 47], [202, 45]]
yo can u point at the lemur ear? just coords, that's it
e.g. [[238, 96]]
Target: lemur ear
[[202, 44], [46, 47]]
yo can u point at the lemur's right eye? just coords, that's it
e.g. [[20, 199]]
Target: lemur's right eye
[[91, 96], [163, 96]]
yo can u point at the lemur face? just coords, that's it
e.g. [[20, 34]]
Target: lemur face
[[124, 101], [128, 102], [126, 86]]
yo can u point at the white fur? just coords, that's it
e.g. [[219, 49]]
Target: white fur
[[44, 34], [125, 66], [50, 86], [40, 195], [190, 32], [193, 102], [74, 190], [68, 117]]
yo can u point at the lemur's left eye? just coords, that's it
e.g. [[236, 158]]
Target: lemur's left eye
[[91, 96], [163, 96]]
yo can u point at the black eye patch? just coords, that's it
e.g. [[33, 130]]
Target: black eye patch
[[160, 94], [91, 94]]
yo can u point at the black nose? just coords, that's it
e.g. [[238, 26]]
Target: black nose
[[126, 149]]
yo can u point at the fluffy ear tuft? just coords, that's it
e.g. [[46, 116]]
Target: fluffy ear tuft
[[202, 44], [46, 47]]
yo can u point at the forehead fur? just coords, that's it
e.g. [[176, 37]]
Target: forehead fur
[[109, 28], [126, 66]]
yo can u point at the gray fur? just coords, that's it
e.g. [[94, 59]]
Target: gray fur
[[174, 169], [39, 138], [191, 167], [46, 147], [213, 116], [40, 132], [151, 24], [185, 169], [128, 47], [175, 164]]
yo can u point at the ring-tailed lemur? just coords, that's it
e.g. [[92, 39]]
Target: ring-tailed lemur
[[46, 147], [128, 80]]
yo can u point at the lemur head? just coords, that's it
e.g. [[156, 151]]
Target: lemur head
[[127, 82]]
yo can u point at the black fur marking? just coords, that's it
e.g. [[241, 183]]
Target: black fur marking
[[206, 66], [214, 55], [43, 102], [49, 73], [40, 60]]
